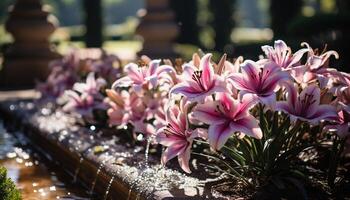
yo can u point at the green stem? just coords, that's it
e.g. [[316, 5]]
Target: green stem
[[292, 134], [235, 172]]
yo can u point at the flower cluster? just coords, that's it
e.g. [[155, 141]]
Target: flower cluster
[[78, 78], [74, 67], [139, 98], [231, 99], [255, 113], [85, 97]]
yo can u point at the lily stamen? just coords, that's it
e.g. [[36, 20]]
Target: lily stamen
[[196, 76]]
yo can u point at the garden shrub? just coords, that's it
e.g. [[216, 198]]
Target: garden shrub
[[8, 190]]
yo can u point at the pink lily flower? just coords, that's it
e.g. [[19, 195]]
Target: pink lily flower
[[282, 55], [155, 106], [342, 90], [344, 125], [227, 116], [145, 77], [316, 60], [82, 104], [92, 85], [306, 106], [78, 61], [177, 137], [160, 119], [119, 111], [140, 126], [56, 83], [342, 128], [234, 67], [198, 83], [227, 68], [262, 81], [69, 62], [126, 107], [109, 67], [316, 69]]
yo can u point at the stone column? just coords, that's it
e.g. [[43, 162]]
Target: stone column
[[158, 29], [26, 59], [93, 23]]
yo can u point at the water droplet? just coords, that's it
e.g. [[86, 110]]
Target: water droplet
[[76, 173], [30, 106], [11, 155], [139, 137], [25, 156], [109, 186], [147, 150], [12, 107], [94, 182], [137, 149], [45, 111], [52, 188], [19, 160], [129, 194]]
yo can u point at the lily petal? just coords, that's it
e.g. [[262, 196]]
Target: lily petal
[[218, 134], [184, 159], [248, 126]]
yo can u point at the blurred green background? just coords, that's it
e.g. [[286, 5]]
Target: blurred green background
[[236, 27]]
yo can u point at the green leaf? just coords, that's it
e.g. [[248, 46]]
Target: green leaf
[[235, 155], [287, 155]]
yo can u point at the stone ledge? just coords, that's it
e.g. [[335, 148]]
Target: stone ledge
[[117, 169]]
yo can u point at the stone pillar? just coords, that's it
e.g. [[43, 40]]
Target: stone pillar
[[158, 29], [93, 23], [26, 59]]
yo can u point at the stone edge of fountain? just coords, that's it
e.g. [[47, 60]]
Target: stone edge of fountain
[[88, 170]]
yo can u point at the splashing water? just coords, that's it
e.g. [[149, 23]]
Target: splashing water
[[108, 158], [146, 165], [109, 186], [129, 194], [147, 151], [94, 182], [76, 173]]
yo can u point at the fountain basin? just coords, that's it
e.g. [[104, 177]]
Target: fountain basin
[[106, 169]]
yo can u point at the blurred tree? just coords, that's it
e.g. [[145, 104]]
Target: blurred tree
[[186, 17], [93, 23], [343, 6], [223, 21], [67, 11], [282, 12], [118, 11], [4, 4]]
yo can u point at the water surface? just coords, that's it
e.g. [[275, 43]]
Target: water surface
[[35, 177]]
